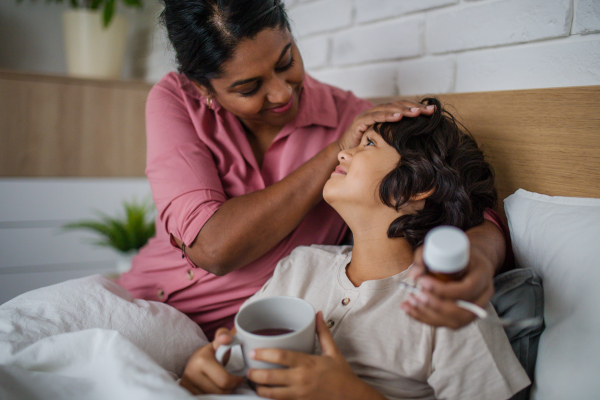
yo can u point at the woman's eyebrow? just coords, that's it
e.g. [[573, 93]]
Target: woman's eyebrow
[[244, 81]]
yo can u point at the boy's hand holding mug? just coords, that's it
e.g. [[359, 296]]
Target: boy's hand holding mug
[[278, 322]]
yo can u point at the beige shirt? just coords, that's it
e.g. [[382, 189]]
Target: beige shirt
[[397, 355]]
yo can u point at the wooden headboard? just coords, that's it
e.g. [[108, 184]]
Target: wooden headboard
[[541, 140]]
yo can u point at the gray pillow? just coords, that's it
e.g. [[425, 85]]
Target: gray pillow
[[519, 295]]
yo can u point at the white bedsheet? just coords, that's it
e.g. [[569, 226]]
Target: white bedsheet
[[89, 339], [89, 364]]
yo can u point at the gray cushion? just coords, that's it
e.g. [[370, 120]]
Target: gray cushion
[[519, 295]]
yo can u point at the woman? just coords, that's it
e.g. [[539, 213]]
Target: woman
[[403, 179], [240, 144]]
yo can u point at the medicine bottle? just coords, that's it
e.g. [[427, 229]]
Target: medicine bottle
[[446, 253]]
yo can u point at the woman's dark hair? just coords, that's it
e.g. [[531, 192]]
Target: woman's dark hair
[[435, 155], [205, 33]]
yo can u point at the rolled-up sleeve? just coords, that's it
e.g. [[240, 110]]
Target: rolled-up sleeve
[[183, 176]]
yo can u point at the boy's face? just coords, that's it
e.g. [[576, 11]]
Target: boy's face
[[356, 179]]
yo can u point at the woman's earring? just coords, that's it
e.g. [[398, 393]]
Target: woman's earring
[[209, 102]]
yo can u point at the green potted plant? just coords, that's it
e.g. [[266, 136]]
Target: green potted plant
[[95, 37], [126, 234]]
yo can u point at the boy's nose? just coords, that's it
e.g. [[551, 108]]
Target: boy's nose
[[344, 155]]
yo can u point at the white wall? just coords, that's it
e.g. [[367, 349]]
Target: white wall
[[373, 47], [391, 47], [31, 38], [35, 250]]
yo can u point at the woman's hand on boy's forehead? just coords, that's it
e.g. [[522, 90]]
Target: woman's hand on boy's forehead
[[389, 112]]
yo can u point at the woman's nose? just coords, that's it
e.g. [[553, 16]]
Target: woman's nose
[[279, 92]]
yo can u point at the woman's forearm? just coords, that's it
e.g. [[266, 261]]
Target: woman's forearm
[[246, 227], [488, 240]]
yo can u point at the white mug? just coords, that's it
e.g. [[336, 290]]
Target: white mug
[[279, 322]]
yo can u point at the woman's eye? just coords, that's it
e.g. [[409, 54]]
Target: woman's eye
[[250, 92], [287, 66]]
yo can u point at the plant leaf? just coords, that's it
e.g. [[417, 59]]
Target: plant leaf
[[108, 12], [120, 237], [94, 226], [133, 3], [95, 4], [130, 232], [139, 229]]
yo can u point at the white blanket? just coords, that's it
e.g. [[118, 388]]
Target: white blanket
[[89, 364], [89, 339]]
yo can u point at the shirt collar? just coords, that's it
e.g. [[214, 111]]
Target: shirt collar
[[189, 88], [317, 106]]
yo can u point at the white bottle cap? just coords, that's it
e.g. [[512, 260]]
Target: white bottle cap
[[446, 249]]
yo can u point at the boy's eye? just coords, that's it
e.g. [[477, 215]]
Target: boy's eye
[[369, 142]]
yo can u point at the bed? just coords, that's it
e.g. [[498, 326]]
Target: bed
[[88, 338]]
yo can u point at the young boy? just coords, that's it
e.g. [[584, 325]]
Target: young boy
[[402, 180]]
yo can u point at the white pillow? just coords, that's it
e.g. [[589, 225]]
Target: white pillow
[[168, 336], [559, 237]]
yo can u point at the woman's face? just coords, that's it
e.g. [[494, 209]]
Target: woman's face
[[261, 84], [356, 179]]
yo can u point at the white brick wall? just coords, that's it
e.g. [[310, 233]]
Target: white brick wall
[[321, 16], [389, 47], [371, 10], [372, 80], [396, 39], [587, 16], [487, 24], [570, 61]]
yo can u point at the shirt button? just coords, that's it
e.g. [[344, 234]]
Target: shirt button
[[190, 274], [330, 323], [160, 294], [345, 301]]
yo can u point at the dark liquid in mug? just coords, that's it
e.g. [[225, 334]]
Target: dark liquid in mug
[[272, 331]]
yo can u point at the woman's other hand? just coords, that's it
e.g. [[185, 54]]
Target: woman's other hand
[[326, 377], [389, 112], [436, 304], [204, 374]]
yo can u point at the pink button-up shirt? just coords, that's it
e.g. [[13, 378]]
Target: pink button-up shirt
[[198, 157]]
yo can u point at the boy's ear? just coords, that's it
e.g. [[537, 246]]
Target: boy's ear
[[423, 195]]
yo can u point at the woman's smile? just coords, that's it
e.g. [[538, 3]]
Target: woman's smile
[[283, 108]]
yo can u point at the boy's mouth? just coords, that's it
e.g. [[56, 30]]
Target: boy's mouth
[[340, 170]]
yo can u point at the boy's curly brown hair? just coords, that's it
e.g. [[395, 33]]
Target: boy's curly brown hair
[[435, 154]]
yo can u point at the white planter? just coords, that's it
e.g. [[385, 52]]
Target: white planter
[[123, 263], [92, 50]]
